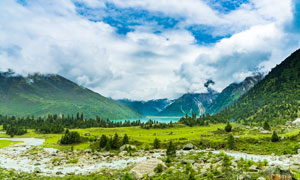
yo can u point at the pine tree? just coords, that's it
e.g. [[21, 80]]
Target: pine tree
[[171, 150], [266, 126], [228, 127], [275, 137], [115, 142], [107, 146], [125, 139], [103, 141], [156, 143], [230, 141]]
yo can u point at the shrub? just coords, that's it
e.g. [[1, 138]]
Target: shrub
[[228, 127], [159, 168], [275, 137], [230, 142], [171, 150], [156, 143]]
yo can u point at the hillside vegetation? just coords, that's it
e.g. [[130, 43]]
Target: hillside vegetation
[[53, 94]]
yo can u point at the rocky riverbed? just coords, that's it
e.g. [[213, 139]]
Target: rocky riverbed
[[30, 157]]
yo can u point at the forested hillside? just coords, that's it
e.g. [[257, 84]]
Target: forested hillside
[[275, 99], [43, 94]]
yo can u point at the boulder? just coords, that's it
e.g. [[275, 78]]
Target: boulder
[[86, 134], [253, 168], [247, 177], [279, 173], [37, 170], [127, 146], [261, 178], [145, 167], [188, 147]]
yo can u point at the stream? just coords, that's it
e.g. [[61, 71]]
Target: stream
[[13, 158]]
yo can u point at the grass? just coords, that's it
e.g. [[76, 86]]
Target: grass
[[211, 136], [6, 143]]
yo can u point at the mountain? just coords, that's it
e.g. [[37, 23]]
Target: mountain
[[148, 108], [276, 98], [188, 103], [232, 93], [42, 94]]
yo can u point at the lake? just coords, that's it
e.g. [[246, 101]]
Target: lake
[[163, 119]]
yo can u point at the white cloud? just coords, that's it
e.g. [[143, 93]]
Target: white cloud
[[50, 37]]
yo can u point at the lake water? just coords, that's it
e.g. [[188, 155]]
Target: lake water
[[163, 119]]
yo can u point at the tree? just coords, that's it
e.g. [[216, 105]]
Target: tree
[[230, 142], [156, 143], [103, 141], [171, 150], [125, 139], [115, 142], [228, 127], [266, 126], [275, 137], [107, 146]]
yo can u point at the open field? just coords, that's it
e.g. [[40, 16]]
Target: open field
[[212, 136], [6, 143]]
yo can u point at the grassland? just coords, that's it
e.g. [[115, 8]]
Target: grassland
[[212, 136], [6, 143]]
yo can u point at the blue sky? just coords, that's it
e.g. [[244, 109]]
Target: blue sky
[[147, 49]]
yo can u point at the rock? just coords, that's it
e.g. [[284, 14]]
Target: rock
[[59, 173], [298, 151], [247, 177], [187, 161], [188, 147], [127, 146], [266, 132], [145, 167], [261, 178], [253, 168], [279, 173], [86, 134], [37, 170]]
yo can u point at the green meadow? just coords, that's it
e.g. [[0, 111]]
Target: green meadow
[[212, 136]]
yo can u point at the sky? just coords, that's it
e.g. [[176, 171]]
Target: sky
[[147, 49]]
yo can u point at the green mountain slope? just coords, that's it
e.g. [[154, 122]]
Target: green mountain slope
[[188, 103], [42, 94], [232, 93], [276, 98]]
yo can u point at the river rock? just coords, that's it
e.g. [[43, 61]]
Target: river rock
[[279, 173], [188, 147], [127, 146], [253, 168], [145, 167], [261, 178], [37, 170]]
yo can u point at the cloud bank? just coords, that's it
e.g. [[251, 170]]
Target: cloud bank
[[147, 49]]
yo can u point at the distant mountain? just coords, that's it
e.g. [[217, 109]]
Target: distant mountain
[[232, 93], [276, 98], [191, 102], [148, 108], [42, 94]]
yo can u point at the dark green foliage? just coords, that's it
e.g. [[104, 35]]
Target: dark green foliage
[[72, 137], [193, 121], [159, 168], [276, 98], [275, 137], [14, 130], [156, 125], [53, 94], [115, 142], [266, 126], [107, 146], [156, 143], [127, 177], [103, 141], [125, 140], [230, 141], [171, 150], [232, 93], [228, 127]]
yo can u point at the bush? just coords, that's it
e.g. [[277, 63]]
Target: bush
[[171, 150], [266, 126], [275, 137], [156, 143], [127, 177], [159, 168], [70, 137], [230, 142], [228, 127]]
